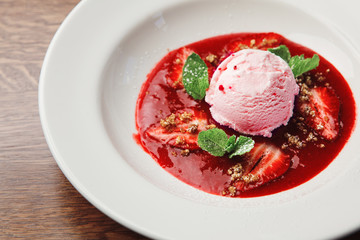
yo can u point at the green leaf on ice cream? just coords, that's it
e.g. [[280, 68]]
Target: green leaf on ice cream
[[281, 51], [195, 76], [298, 64]]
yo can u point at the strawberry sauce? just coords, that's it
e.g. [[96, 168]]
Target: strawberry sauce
[[162, 94]]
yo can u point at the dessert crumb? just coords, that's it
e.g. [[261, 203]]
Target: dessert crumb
[[304, 91], [320, 77], [284, 146], [211, 126], [192, 128], [168, 123], [267, 42], [174, 153], [185, 152], [232, 191], [321, 145], [294, 140], [319, 127], [243, 46], [252, 43], [211, 58], [185, 117], [235, 172], [311, 137], [180, 141], [250, 178]]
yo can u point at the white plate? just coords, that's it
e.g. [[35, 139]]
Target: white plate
[[89, 83]]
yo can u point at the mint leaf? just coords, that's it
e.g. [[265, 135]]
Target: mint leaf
[[281, 51], [230, 145], [243, 145], [300, 65], [195, 76], [216, 142], [213, 141]]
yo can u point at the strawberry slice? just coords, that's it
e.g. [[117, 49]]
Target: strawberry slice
[[180, 129], [174, 77], [270, 163], [321, 111]]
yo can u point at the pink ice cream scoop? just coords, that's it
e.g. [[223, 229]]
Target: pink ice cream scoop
[[253, 92]]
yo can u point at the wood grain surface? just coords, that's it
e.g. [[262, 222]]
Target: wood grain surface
[[36, 200]]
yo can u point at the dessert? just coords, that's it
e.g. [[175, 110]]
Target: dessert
[[191, 123], [253, 92]]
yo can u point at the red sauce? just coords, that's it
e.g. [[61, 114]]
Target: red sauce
[[157, 100]]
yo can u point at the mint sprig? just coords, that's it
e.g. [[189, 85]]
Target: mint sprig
[[195, 76], [216, 142], [281, 51], [242, 145], [298, 64]]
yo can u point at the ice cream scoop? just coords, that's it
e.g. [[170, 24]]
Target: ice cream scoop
[[253, 92]]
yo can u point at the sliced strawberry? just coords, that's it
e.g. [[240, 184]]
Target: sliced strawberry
[[180, 129], [174, 77], [321, 111], [270, 163]]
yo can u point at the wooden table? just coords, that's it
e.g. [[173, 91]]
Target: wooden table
[[36, 200]]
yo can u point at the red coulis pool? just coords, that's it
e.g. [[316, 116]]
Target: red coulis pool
[[157, 100]]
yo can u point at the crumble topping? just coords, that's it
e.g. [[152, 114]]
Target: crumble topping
[[232, 191], [311, 81], [311, 137], [180, 140], [235, 172], [264, 43], [321, 145], [319, 76], [211, 126], [242, 46], [304, 91], [250, 178], [319, 127], [193, 128], [252, 43], [267, 42], [185, 152], [168, 123], [211, 58], [294, 140], [185, 117], [302, 127]]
